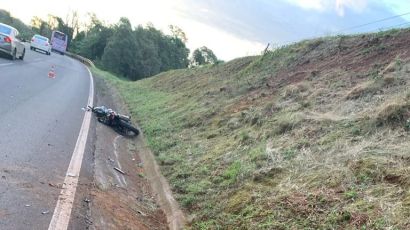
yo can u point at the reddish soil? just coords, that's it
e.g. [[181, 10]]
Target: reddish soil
[[120, 201], [349, 54]]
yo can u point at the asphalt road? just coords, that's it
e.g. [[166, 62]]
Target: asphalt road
[[40, 119]]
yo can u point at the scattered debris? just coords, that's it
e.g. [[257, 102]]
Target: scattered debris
[[55, 185], [141, 213], [86, 200], [88, 221], [119, 170], [71, 175]]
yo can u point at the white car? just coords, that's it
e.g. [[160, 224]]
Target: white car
[[39, 42], [10, 43]]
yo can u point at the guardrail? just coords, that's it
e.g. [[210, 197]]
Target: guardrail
[[84, 60]]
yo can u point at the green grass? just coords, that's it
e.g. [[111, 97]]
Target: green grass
[[281, 141]]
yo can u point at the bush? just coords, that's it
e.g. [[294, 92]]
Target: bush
[[396, 113]]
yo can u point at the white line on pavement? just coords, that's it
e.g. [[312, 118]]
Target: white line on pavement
[[120, 177], [62, 211]]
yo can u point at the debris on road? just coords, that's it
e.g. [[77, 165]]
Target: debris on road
[[141, 213], [88, 221], [71, 175], [119, 170], [55, 185]]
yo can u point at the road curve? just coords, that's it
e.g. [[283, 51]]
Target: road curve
[[39, 126]]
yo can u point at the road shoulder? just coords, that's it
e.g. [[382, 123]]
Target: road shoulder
[[111, 199]]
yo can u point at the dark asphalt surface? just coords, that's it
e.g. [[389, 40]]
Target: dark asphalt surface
[[40, 119]]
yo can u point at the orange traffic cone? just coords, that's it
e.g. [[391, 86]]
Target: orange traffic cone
[[52, 73]]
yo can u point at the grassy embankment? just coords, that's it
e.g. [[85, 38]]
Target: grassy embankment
[[311, 135]]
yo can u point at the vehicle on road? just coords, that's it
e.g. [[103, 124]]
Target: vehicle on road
[[42, 43], [10, 43], [59, 42], [121, 123]]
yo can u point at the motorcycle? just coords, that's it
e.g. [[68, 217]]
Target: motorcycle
[[120, 123]]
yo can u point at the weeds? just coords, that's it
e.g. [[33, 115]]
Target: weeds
[[325, 149]]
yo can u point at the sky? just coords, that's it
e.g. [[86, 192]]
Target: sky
[[232, 28]]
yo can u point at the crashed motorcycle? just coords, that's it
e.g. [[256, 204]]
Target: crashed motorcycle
[[120, 123]]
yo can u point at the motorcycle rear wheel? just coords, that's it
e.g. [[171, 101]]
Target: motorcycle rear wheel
[[127, 128]]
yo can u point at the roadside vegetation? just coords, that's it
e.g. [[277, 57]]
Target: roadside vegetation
[[313, 135], [130, 52], [6, 18]]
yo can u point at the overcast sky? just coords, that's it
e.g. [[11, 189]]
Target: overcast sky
[[232, 28]]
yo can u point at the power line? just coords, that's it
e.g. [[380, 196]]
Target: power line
[[359, 26], [373, 22], [395, 26]]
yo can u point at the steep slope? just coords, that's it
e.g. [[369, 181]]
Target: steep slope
[[311, 135]]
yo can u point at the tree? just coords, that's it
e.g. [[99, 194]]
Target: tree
[[39, 26], [178, 33], [91, 43], [73, 21], [121, 53], [25, 31], [134, 53], [202, 56]]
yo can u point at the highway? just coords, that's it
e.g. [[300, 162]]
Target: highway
[[40, 120]]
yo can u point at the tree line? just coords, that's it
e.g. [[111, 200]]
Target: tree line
[[133, 53], [140, 52], [6, 18]]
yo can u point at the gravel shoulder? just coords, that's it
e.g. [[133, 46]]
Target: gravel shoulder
[[138, 199]]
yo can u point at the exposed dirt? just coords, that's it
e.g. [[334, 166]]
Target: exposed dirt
[[350, 54], [137, 199], [271, 146]]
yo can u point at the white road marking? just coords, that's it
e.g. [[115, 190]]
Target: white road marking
[[6, 64], [120, 177], [62, 211]]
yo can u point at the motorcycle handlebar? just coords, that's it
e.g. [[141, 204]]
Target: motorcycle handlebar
[[88, 108]]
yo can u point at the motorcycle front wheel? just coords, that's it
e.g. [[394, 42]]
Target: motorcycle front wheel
[[104, 120]]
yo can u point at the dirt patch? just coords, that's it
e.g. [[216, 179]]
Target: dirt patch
[[357, 55], [132, 197]]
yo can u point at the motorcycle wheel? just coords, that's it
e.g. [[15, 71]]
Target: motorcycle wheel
[[126, 128], [103, 120]]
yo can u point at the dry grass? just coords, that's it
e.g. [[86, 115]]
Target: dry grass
[[309, 136], [394, 113]]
